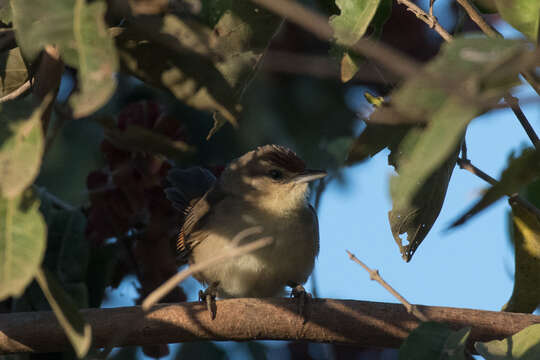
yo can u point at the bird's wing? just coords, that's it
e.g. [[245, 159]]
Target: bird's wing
[[196, 215], [193, 191], [315, 229]]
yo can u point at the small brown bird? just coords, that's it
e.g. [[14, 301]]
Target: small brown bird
[[266, 187]]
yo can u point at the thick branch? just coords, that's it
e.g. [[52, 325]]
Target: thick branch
[[369, 324]]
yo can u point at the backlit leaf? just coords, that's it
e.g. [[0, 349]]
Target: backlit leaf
[[524, 15], [13, 71], [525, 345]]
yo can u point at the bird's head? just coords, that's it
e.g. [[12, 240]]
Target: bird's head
[[271, 176]]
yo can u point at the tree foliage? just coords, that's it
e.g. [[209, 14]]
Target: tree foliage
[[101, 98]]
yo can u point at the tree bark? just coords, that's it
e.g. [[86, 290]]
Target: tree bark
[[369, 324]]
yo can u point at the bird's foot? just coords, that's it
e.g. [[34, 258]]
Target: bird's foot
[[208, 296], [302, 297]]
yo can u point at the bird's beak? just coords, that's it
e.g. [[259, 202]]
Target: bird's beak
[[309, 175]]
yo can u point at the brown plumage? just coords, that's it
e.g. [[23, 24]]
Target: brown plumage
[[265, 187]]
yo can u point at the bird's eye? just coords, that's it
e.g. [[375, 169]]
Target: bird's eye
[[275, 174]]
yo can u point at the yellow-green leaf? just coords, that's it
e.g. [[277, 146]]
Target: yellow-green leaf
[[524, 15], [525, 345], [22, 242], [13, 71], [526, 237]]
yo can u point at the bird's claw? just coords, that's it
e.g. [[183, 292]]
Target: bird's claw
[[208, 296], [302, 298]]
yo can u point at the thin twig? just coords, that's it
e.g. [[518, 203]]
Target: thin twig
[[478, 19], [173, 281], [466, 164], [513, 102], [431, 21], [53, 199], [17, 92], [374, 275], [318, 25]]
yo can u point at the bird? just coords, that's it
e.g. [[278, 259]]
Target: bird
[[267, 187]]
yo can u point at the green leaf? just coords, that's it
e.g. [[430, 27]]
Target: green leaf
[[373, 139], [352, 22], [524, 15], [13, 71], [79, 31], [5, 12], [138, 138], [22, 242], [440, 97], [525, 345], [349, 26], [68, 251], [417, 217], [526, 238], [519, 172], [76, 328], [21, 144], [432, 341]]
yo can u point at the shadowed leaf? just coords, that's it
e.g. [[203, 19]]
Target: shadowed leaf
[[525, 345], [526, 237], [13, 71], [524, 15], [76, 328], [373, 139], [79, 31], [519, 172], [432, 340], [22, 242], [21, 144]]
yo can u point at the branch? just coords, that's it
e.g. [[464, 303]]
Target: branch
[[17, 92], [294, 12], [374, 275], [369, 324], [478, 19], [429, 19]]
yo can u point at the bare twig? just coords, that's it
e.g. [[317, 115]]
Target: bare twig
[[478, 19], [368, 324], [170, 284], [431, 21], [374, 275], [53, 198], [17, 92], [391, 59], [466, 164], [513, 102]]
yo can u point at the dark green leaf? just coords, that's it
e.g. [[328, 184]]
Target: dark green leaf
[[519, 172], [373, 139], [76, 328], [22, 242], [434, 341], [524, 15], [67, 248], [138, 138], [13, 71], [525, 345], [81, 35], [526, 238], [21, 144], [416, 218]]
